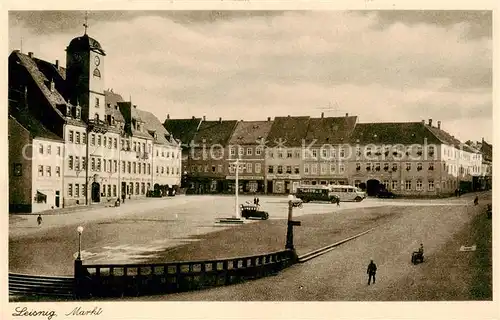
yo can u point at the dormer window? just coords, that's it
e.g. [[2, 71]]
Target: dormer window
[[138, 126], [68, 111], [52, 86]]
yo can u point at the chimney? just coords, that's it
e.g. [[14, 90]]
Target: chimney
[[168, 116], [439, 124], [482, 140], [268, 118], [57, 64], [30, 54], [135, 106], [192, 118], [204, 118], [346, 114], [430, 122], [322, 114], [220, 120]]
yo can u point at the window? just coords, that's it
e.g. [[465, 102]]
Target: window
[[280, 154], [431, 185], [58, 171], [219, 168], [77, 163], [163, 169], [314, 168], [408, 184], [431, 153], [70, 137], [270, 169], [97, 100], [289, 169], [18, 169], [104, 165], [249, 167], [84, 189], [70, 190], [40, 171], [70, 162], [358, 166], [408, 166], [324, 153], [134, 167], [368, 166], [49, 149], [58, 151], [394, 167], [280, 169], [394, 184], [341, 168], [240, 151], [92, 140], [115, 143], [431, 166], [377, 166], [99, 140], [144, 168], [386, 184], [419, 185], [137, 188], [323, 168], [84, 138], [149, 168], [315, 154], [419, 166], [386, 167], [296, 170], [232, 151], [297, 154], [115, 163], [306, 168], [92, 164], [77, 140], [332, 168], [143, 188], [289, 153], [40, 149], [368, 151], [104, 139], [168, 170], [110, 142], [114, 190], [98, 164], [358, 151], [84, 163], [109, 190], [77, 190], [139, 168], [258, 151], [249, 151]]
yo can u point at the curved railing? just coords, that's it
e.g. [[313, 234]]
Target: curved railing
[[117, 280]]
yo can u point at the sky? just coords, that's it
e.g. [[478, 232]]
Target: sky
[[383, 66]]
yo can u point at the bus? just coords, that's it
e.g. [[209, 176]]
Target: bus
[[347, 193], [316, 193]]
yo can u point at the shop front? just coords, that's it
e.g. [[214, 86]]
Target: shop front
[[247, 184], [284, 183]]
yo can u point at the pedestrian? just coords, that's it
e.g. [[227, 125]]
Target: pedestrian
[[371, 271], [258, 201], [456, 193], [123, 197], [39, 219], [338, 202], [476, 201]]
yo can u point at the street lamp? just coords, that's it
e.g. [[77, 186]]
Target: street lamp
[[79, 230]]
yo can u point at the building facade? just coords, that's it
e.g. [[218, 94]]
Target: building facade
[[108, 144], [247, 145]]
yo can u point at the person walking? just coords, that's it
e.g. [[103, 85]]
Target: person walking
[[476, 201], [338, 202], [39, 219], [371, 271]]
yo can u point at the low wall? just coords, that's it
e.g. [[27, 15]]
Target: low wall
[[112, 280]]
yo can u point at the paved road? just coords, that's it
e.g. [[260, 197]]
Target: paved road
[[138, 231], [340, 275]]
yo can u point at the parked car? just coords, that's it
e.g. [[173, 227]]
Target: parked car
[[252, 211], [385, 194]]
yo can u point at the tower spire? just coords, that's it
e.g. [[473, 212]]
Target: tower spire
[[86, 25]]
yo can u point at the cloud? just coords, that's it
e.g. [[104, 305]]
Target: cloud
[[251, 66]]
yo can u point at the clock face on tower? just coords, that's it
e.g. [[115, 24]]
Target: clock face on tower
[[97, 61]]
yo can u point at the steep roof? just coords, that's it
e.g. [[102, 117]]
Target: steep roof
[[152, 123], [330, 130], [42, 73], [183, 129], [392, 133], [215, 132], [288, 131], [30, 123], [487, 151], [111, 101], [250, 132], [444, 137]]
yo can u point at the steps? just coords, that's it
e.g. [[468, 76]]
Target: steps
[[26, 285]]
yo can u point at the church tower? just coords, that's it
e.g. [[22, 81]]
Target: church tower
[[84, 76]]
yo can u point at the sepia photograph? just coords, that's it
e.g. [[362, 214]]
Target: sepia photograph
[[248, 156]]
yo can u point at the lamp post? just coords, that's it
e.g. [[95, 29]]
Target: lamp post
[[237, 187], [80, 231]]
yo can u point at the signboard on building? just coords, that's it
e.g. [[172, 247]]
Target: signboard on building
[[245, 177], [284, 176]]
